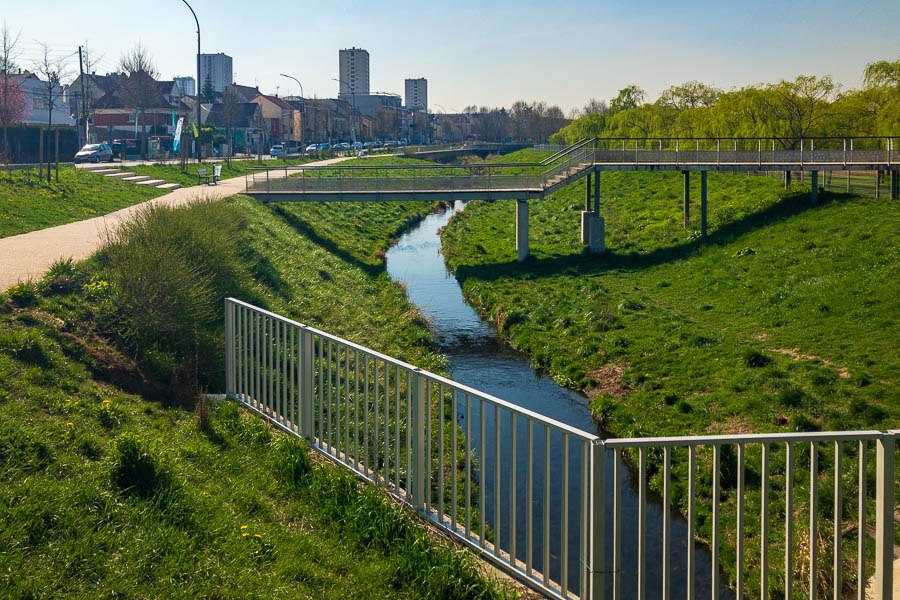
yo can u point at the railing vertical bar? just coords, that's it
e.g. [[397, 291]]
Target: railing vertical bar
[[454, 460], [366, 414], [764, 526], [468, 479], [617, 525], [482, 475], [270, 383], [376, 432], [861, 524], [739, 541], [838, 520], [529, 500], [667, 523], [279, 370], [545, 508], [348, 452], [564, 541], [254, 357], [512, 489], [496, 480], [294, 396], [386, 390], [813, 506], [440, 472], [714, 580], [584, 533], [642, 524], [331, 398], [356, 408], [338, 400], [320, 391], [397, 429], [409, 414], [789, 521], [429, 445]]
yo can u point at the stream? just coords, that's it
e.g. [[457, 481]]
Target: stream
[[480, 360]]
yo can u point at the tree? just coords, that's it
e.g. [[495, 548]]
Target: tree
[[882, 72], [631, 96], [12, 103], [232, 113], [50, 71], [692, 94], [208, 94], [137, 86], [593, 106]]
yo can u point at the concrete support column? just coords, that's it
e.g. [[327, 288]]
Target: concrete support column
[[687, 198], [877, 184], [586, 226], [895, 185], [522, 229], [703, 204], [787, 180], [596, 234], [597, 192], [587, 192], [815, 187]]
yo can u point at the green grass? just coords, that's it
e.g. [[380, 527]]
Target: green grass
[[780, 321], [172, 173], [106, 494], [27, 204]]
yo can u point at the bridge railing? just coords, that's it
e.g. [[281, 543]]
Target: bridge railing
[[544, 501]]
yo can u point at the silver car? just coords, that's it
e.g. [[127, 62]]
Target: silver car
[[94, 153]]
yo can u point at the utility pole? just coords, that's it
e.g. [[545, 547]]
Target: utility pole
[[83, 97]]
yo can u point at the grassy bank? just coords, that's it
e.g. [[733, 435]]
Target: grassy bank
[[27, 204], [780, 321], [107, 493], [172, 173]]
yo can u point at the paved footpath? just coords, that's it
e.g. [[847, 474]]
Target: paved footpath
[[28, 255]]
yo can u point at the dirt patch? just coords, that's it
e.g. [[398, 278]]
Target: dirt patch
[[843, 372], [732, 426], [760, 336], [609, 381]]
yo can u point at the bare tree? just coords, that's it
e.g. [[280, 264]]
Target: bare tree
[[137, 86], [593, 106], [8, 56], [232, 113], [51, 72]]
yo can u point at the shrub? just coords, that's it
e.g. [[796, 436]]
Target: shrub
[[63, 277], [23, 294]]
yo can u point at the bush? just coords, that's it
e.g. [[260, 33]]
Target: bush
[[63, 277], [23, 294]]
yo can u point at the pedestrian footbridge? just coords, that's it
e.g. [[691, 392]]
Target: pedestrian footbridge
[[535, 180]]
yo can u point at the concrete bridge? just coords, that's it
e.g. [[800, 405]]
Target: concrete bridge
[[586, 159]]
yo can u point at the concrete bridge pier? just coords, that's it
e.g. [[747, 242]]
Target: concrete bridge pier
[[687, 198], [522, 229], [585, 214], [787, 180], [815, 187], [593, 226]]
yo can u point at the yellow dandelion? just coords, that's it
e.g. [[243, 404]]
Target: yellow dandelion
[[256, 535], [69, 425], [106, 401], [243, 527], [244, 534]]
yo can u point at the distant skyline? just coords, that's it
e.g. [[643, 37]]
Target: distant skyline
[[483, 53]]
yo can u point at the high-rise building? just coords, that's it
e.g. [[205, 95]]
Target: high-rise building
[[353, 66], [219, 70], [417, 94], [187, 85]]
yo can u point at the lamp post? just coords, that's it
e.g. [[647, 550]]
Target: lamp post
[[199, 119], [302, 96], [353, 98]]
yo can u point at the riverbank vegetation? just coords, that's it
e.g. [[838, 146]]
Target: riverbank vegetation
[[807, 106], [28, 204], [118, 481]]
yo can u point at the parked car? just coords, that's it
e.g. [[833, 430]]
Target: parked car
[[312, 148], [122, 148], [94, 153], [324, 146], [276, 150], [390, 144], [356, 145], [369, 145]]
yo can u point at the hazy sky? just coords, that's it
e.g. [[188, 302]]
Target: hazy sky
[[485, 53]]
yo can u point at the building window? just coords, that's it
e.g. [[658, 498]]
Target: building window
[[40, 103]]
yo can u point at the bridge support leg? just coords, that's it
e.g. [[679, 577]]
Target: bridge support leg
[[895, 185], [585, 214], [587, 192], [787, 180], [877, 184], [597, 192], [522, 229], [687, 198], [703, 204], [596, 234], [815, 187]]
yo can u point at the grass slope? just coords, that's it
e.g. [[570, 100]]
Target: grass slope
[[105, 494], [27, 204]]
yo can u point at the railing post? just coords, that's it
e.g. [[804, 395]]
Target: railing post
[[419, 458], [229, 348], [597, 565], [307, 372], [885, 447]]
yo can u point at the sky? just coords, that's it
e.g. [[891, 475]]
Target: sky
[[489, 53]]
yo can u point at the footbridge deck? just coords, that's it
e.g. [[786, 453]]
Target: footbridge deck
[[535, 180]]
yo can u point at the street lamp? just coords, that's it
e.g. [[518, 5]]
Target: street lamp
[[301, 105], [353, 98], [199, 121]]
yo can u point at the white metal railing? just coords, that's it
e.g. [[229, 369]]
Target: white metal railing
[[530, 494]]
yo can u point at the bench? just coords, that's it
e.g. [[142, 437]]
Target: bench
[[203, 175]]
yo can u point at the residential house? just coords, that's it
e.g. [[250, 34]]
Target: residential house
[[95, 87], [244, 124], [282, 119], [244, 92], [37, 100]]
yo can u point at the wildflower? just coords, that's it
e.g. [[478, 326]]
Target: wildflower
[[243, 527], [69, 425], [106, 401], [257, 536], [244, 534]]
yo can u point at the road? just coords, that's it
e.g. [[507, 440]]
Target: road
[[28, 255]]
